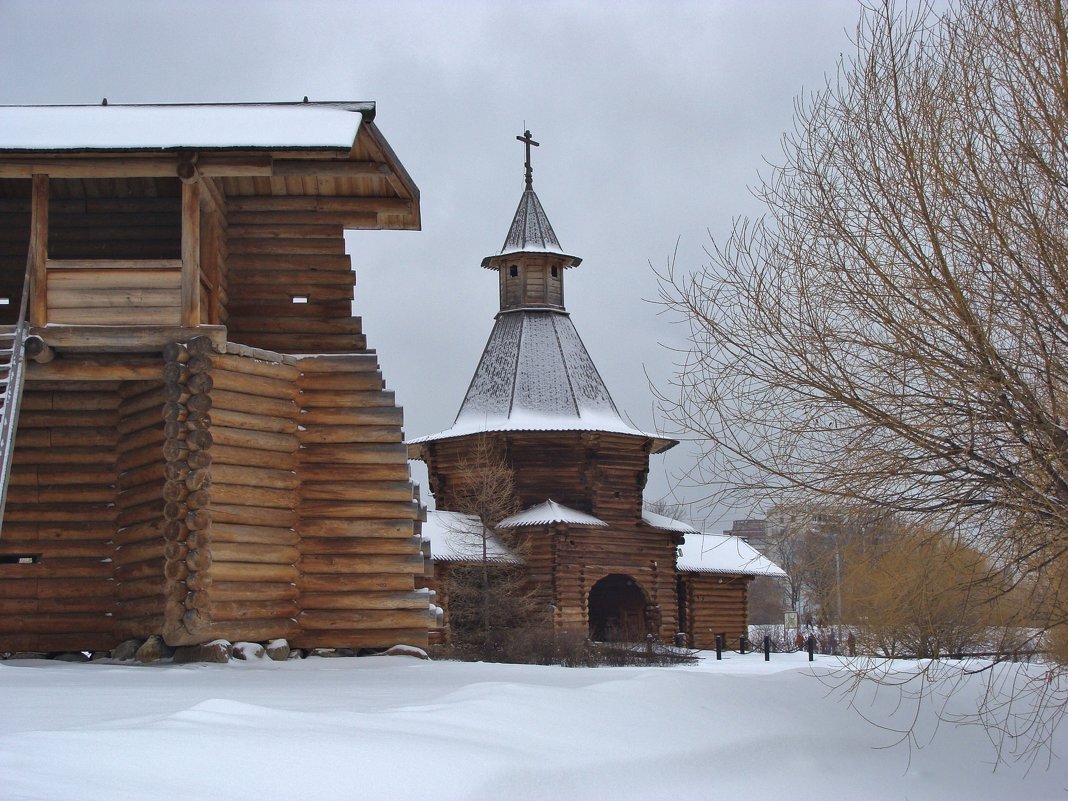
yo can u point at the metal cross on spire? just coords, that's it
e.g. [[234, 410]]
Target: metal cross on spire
[[528, 141]]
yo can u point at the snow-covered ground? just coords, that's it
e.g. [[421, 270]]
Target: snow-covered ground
[[398, 727]]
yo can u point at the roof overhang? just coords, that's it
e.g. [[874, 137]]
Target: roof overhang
[[351, 173]]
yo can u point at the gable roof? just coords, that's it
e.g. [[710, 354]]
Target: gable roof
[[456, 537], [723, 553], [157, 127], [549, 512]]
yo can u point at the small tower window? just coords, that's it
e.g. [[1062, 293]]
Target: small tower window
[[556, 271], [513, 271]]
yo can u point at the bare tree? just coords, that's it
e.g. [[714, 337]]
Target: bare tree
[[893, 332], [486, 599]]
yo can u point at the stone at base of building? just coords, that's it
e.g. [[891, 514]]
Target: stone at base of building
[[214, 651], [153, 650]]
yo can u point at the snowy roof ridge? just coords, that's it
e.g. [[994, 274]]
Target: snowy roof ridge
[[457, 537], [549, 512], [164, 127], [723, 553]]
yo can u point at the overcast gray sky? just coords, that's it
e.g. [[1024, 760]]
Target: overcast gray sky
[[653, 118]]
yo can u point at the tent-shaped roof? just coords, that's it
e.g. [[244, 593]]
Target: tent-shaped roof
[[724, 553], [548, 513], [456, 537], [531, 232], [536, 375]]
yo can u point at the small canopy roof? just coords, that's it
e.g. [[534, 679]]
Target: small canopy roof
[[724, 553], [548, 513], [665, 523], [456, 537], [239, 126]]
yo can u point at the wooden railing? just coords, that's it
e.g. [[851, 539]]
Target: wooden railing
[[11, 390]]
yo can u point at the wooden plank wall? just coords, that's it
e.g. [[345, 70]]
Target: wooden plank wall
[[361, 555], [715, 604], [271, 261], [109, 292], [61, 511], [139, 552]]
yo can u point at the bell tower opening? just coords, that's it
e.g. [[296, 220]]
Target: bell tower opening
[[617, 610]]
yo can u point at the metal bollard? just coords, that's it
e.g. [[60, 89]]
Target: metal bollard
[[719, 647], [741, 644], [767, 648], [811, 648]]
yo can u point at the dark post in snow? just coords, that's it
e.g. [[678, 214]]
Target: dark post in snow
[[767, 648], [811, 647], [719, 647], [741, 644]]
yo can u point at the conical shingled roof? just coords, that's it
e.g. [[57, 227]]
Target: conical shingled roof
[[530, 230]]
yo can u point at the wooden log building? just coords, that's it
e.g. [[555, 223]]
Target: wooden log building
[[198, 442], [594, 557]]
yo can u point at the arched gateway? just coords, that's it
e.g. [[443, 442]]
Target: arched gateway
[[617, 610]]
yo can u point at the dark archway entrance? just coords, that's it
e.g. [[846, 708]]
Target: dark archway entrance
[[617, 610]]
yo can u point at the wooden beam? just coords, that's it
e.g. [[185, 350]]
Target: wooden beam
[[123, 167], [191, 253], [38, 308], [234, 166], [320, 204], [341, 168], [96, 368], [127, 338]]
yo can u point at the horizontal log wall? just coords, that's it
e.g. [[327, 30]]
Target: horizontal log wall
[[360, 556], [599, 473], [102, 292], [272, 263], [133, 218], [566, 562], [714, 604], [61, 517], [139, 553], [230, 453]]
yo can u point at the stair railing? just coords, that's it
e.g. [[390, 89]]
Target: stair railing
[[12, 392]]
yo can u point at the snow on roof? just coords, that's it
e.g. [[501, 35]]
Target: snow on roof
[[282, 126], [724, 553], [550, 512], [456, 537], [665, 523], [535, 374], [531, 230]]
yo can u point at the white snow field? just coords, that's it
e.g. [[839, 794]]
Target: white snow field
[[398, 728]]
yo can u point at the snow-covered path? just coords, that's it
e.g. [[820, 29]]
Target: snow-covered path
[[398, 727]]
